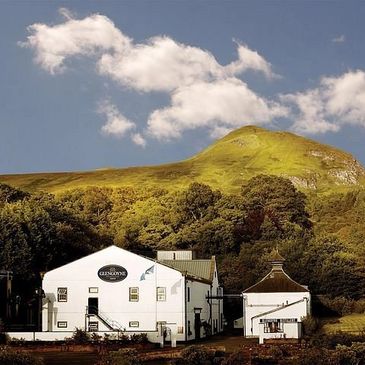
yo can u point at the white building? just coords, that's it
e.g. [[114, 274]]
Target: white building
[[275, 306], [116, 290]]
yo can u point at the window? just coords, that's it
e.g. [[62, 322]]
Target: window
[[62, 324], [189, 329], [93, 326], [188, 294], [62, 294], [133, 294], [180, 329], [94, 290], [134, 324], [273, 327], [161, 294]]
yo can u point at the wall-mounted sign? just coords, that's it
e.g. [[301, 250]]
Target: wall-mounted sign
[[112, 273]]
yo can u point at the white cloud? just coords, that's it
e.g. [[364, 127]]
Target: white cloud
[[116, 124], [160, 65], [250, 60], [339, 39], [203, 92], [138, 139], [226, 103], [337, 101], [219, 132], [54, 44]]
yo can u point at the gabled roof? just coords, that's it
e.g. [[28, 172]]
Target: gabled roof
[[203, 269], [276, 281]]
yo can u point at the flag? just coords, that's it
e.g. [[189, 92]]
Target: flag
[[150, 270]]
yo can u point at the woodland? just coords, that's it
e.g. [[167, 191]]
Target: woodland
[[321, 237]]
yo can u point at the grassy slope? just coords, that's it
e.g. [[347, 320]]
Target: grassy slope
[[226, 164], [352, 323]]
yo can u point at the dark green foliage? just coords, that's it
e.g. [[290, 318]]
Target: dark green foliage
[[9, 356], [126, 356], [80, 337], [8, 194], [310, 325], [40, 232], [330, 341], [197, 355]]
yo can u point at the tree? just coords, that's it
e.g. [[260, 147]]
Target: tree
[[274, 207]]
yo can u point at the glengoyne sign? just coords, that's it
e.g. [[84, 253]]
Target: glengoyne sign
[[112, 273]]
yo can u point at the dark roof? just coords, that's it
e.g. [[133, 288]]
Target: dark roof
[[276, 281]]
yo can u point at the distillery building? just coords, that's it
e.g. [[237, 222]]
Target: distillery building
[[115, 290], [275, 306]]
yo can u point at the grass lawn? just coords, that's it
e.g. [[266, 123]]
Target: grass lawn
[[353, 323]]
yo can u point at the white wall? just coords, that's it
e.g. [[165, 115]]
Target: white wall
[[113, 297], [290, 330], [256, 304], [61, 336]]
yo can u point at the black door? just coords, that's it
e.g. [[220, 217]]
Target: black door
[[93, 305], [197, 326]]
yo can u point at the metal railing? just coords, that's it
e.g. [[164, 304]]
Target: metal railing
[[109, 322]]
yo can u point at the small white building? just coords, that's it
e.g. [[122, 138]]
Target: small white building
[[275, 306], [117, 290]]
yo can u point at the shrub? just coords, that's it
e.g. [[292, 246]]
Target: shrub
[[4, 338], [197, 355], [310, 325], [345, 355], [314, 356], [359, 348], [125, 356], [330, 341], [9, 356], [139, 338], [80, 337], [236, 358]]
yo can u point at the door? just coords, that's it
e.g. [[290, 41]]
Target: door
[[93, 305], [197, 326]]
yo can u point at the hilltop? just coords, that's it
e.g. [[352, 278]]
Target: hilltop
[[227, 163]]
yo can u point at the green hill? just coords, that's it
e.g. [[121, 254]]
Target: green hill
[[226, 164]]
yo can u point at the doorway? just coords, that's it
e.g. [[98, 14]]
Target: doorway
[[93, 306], [197, 326]]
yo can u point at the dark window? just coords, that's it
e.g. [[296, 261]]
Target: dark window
[[62, 294], [93, 326], [273, 327], [62, 324]]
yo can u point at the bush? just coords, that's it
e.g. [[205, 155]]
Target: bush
[[125, 356], [80, 337], [359, 348], [139, 338], [9, 356], [197, 355], [310, 325], [314, 356], [330, 341], [4, 339]]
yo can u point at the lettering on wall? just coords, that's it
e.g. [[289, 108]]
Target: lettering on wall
[[112, 273]]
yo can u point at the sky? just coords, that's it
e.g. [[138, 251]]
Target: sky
[[95, 84]]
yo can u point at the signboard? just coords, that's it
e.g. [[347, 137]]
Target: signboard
[[112, 273], [282, 320]]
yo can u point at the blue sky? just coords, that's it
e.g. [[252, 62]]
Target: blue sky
[[91, 84]]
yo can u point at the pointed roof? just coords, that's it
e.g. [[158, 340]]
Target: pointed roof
[[277, 280]]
